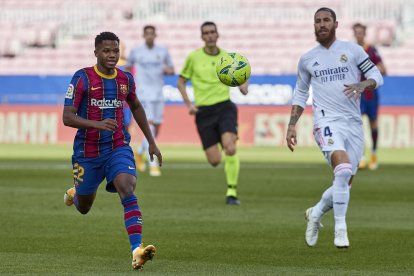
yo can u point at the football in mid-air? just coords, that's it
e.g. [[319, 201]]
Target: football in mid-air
[[233, 69]]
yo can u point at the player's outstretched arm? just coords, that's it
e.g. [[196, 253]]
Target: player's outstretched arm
[[291, 131], [71, 119], [192, 109], [141, 118]]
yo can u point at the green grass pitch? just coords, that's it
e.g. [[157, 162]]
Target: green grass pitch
[[194, 231]]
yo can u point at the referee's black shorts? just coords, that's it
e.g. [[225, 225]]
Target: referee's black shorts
[[214, 120]]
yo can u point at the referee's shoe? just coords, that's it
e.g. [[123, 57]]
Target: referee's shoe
[[232, 200]]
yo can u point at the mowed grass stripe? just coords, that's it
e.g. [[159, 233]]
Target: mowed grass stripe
[[33, 165], [171, 153]]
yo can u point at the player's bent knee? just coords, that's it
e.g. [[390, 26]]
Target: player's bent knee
[[214, 159], [126, 189], [229, 148], [124, 184], [230, 151], [214, 162]]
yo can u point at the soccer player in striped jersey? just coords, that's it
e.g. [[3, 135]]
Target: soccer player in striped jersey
[[333, 69], [370, 97], [93, 105]]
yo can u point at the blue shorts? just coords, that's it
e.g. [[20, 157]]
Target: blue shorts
[[370, 107], [88, 173]]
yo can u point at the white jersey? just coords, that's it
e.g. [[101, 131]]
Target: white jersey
[[149, 71], [327, 71]]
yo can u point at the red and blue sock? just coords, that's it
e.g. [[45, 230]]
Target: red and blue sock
[[133, 220]]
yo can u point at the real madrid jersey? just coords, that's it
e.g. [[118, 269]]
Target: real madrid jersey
[[327, 71], [97, 96], [149, 71]]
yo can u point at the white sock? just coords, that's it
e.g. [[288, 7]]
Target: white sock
[[340, 195], [323, 206]]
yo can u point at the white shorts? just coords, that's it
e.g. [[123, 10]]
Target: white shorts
[[154, 111], [346, 135]]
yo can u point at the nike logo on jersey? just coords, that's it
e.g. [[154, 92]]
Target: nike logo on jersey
[[95, 88], [131, 168]]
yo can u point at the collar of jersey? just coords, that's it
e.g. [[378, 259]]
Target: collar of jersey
[[95, 67], [218, 53]]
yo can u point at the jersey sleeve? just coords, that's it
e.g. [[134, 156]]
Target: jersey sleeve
[[132, 95], [301, 91], [367, 67], [187, 71], [76, 90]]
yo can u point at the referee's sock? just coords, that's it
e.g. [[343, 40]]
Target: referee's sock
[[231, 169]]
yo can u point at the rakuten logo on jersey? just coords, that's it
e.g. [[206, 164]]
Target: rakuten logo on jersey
[[104, 103]]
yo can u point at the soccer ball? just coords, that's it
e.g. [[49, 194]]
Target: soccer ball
[[233, 69]]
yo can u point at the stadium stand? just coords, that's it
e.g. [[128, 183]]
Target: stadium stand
[[55, 36]]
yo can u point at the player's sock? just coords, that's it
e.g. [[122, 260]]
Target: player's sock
[[340, 195], [323, 206], [231, 169], [374, 134], [133, 220]]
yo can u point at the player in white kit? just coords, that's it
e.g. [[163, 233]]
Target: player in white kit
[[151, 63], [333, 69]]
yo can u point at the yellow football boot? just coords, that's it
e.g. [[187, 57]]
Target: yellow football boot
[[69, 195], [155, 171], [373, 162], [140, 162], [362, 164], [141, 255]]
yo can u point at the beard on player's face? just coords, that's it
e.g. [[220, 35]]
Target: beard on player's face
[[325, 38]]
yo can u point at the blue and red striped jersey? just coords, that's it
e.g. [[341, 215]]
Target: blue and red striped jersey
[[97, 96]]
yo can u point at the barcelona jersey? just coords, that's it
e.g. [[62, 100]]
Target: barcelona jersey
[[97, 96]]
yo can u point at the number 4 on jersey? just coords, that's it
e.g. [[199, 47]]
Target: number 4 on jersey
[[327, 132]]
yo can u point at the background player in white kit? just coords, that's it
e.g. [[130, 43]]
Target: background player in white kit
[[151, 63], [333, 68]]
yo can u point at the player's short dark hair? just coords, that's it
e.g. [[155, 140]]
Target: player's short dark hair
[[333, 14], [359, 25], [208, 23], [146, 27], [105, 36]]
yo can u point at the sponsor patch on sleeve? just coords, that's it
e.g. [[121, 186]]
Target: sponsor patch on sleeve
[[69, 93]]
